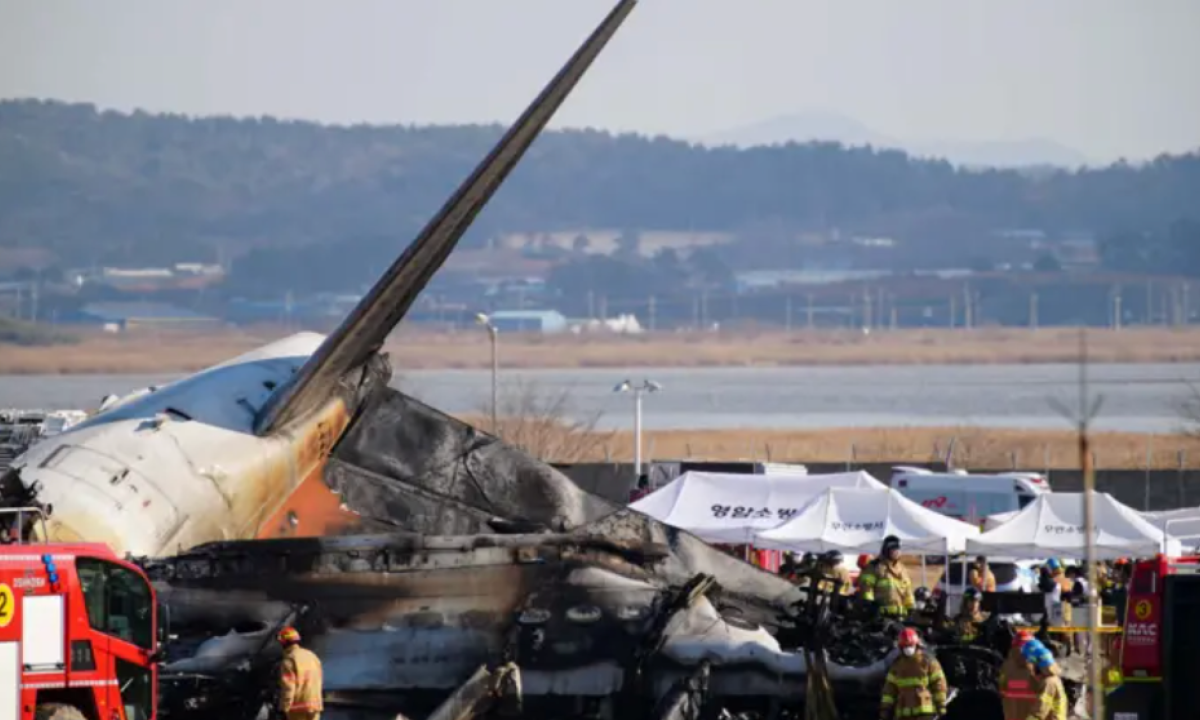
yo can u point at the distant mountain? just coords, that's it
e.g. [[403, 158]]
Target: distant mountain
[[827, 126]]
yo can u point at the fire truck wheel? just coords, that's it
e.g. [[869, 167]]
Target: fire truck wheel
[[55, 711]]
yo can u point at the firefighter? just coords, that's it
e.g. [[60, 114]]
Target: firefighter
[[980, 577], [803, 571], [830, 567], [915, 686], [865, 570], [1016, 681], [1064, 584], [300, 679], [888, 587], [1051, 702], [966, 625]]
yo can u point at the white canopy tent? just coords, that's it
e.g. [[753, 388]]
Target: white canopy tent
[[1182, 524], [991, 522], [732, 508], [856, 520], [1052, 525]]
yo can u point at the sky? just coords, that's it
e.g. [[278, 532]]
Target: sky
[[1110, 78]]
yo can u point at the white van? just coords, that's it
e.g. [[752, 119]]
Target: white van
[[968, 497]]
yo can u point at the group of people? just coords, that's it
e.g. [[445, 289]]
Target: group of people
[[1030, 681]]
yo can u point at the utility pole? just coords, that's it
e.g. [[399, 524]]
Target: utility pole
[[1116, 319], [33, 299], [603, 307], [1185, 309], [968, 315], [1033, 311]]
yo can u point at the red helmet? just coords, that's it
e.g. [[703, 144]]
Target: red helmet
[[908, 638], [288, 636], [1022, 637], [863, 561]]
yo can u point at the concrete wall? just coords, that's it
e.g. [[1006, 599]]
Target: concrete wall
[[1141, 490]]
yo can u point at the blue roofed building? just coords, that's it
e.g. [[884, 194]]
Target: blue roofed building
[[543, 321], [129, 315]]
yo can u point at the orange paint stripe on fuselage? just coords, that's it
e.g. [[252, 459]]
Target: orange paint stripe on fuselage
[[312, 510]]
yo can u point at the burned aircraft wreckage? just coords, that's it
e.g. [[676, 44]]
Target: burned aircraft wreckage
[[437, 571], [573, 605]]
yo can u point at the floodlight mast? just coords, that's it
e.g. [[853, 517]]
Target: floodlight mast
[[494, 337], [646, 386]]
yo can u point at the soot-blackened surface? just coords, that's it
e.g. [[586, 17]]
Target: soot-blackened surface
[[432, 473]]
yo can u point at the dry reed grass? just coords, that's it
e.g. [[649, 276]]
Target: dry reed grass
[[158, 352], [974, 447]]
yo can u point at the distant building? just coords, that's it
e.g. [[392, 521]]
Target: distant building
[[126, 316], [544, 321]]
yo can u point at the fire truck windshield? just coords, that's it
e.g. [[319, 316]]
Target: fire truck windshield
[[118, 600]]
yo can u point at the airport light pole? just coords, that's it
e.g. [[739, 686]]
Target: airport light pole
[[493, 336], [647, 386]]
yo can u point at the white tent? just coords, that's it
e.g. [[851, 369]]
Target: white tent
[[1052, 525], [995, 520], [731, 508], [856, 520], [1182, 524]]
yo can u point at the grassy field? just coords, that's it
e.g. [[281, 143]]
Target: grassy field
[[158, 352], [974, 447]]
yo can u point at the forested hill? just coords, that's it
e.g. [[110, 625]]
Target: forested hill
[[112, 187]]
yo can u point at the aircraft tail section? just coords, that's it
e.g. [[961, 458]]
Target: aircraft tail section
[[382, 308]]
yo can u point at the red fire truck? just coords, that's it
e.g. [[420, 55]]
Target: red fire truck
[[1160, 664], [78, 632]]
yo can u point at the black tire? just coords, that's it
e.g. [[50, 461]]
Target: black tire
[[57, 711]]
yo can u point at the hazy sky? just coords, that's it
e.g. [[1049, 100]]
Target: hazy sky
[[1107, 77]]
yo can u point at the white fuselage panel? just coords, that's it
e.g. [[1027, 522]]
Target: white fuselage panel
[[174, 467]]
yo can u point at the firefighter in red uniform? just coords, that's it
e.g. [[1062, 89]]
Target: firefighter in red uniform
[[300, 679], [1017, 690]]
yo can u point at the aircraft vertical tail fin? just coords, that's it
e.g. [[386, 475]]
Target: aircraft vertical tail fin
[[363, 332]]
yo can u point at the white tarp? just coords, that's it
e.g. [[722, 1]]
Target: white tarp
[[731, 508], [856, 520], [1052, 526]]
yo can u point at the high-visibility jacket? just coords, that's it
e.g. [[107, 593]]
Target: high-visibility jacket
[[966, 626], [865, 584], [1065, 585], [915, 688], [890, 587], [1051, 703], [300, 681], [983, 581], [838, 573], [1017, 687]]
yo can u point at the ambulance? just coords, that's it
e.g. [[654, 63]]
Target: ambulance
[[968, 497]]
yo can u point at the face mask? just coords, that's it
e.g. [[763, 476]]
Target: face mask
[[909, 651]]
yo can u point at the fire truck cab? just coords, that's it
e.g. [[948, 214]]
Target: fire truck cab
[[1160, 667], [78, 632]]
